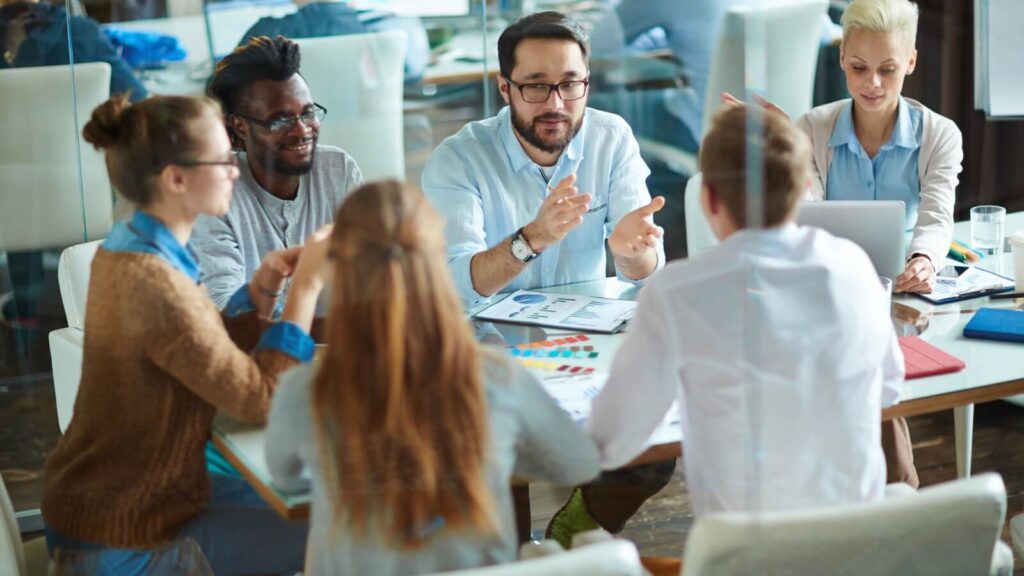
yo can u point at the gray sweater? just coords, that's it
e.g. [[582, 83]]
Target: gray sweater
[[231, 247], [531, 437]]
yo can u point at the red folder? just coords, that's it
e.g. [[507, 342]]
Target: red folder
[[922, 359]]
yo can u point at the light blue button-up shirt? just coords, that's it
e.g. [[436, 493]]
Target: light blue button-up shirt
[[891, 175], [487, 188]]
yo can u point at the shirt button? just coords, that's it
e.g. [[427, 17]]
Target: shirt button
[[870, 183]]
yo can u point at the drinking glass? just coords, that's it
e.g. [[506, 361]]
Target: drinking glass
[[987, 228]]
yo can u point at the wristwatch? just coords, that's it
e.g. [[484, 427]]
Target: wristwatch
[[521, 248]]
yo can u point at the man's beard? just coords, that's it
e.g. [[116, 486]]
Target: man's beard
[[283, 168], [531, 133]]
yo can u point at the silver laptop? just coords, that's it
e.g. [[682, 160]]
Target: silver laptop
[[877, 226]]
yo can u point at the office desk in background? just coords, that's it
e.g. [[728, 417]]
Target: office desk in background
[[994, 371]]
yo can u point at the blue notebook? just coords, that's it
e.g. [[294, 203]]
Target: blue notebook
[[996, 324]]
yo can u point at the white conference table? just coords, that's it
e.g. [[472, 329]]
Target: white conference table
[[995, 370]]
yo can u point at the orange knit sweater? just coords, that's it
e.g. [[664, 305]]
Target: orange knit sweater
[[159, 362]]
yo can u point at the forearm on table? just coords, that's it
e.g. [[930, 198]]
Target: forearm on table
[[493, 269]]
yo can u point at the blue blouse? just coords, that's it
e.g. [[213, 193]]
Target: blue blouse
[[891, 175]]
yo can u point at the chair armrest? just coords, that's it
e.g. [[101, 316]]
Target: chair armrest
[[1002, 560], [66, 357], [897, 489]]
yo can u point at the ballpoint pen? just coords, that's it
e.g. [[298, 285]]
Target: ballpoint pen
[[1007, 296]]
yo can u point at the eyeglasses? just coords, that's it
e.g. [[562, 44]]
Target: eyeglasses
[[567, 91], [309, 118], [231, 161]]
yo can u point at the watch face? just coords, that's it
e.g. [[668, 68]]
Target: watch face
[[520, 249]]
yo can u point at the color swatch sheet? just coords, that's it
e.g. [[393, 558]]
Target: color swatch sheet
[[567, 311], [568, 354], [574, 394]]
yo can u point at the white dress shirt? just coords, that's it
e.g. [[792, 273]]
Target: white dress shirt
[[779, 348]]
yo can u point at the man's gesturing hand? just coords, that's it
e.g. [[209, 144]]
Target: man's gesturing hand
[[561, 211], [637, 231]]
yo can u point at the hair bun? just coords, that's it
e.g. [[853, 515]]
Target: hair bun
[[104, 128]]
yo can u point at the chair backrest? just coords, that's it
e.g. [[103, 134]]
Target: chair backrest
[[12, 556], [699, 236], [612, 558], [56, 189], [359, 79], [783, 38], [946, 530], [73, 279]]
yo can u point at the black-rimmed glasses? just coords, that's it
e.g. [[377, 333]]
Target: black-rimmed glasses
[[537, 93], [312, 117]]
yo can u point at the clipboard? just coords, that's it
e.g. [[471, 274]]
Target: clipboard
[[956, 283], [557, 310]]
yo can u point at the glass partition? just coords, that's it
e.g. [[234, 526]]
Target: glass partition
[[55, 193], [397, 78]]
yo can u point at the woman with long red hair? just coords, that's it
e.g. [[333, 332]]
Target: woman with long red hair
[[411, 432]]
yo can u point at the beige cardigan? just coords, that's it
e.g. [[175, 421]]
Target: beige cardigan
[[940, 161]]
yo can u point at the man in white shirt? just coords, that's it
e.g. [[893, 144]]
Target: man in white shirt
[[777, 344]]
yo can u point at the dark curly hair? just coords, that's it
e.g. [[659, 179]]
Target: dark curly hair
[[262, 58]]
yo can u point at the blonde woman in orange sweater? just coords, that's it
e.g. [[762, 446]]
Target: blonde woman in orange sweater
[[128, 477]]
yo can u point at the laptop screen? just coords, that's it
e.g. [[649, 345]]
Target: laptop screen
[[227, 21]]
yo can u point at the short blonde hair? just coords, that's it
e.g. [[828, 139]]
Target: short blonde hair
[[786, 163], [888, 16]]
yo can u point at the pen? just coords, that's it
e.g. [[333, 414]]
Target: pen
[[1007, 296]]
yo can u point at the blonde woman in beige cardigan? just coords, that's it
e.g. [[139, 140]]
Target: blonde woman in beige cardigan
[[878, 145]]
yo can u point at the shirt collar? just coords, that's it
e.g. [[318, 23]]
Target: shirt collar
[[904, 133], [517, 156], [155, 233], [765, 240]]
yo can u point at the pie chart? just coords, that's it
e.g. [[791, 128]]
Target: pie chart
[[529, 298]]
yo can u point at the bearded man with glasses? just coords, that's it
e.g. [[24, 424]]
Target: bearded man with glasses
[[289, 185], [529, 198]]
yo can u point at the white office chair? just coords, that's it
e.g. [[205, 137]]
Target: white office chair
[[359, 79], [699, 236], [947, 530], [56, 189], [16, 558], [606, 558], [776, 43], [66, 343]]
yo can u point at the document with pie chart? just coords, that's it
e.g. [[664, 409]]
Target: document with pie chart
[[569, 311]]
